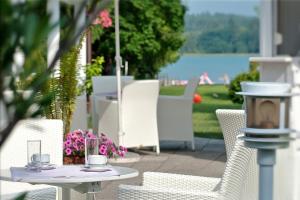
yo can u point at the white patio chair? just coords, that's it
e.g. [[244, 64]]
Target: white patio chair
[[14, 153], [139, 106], [102, 85], [162, 186], [231, 122], [175, 115], [79, 118]]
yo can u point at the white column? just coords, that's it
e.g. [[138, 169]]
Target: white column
[[268, 18], [83, 51], [53, 9]]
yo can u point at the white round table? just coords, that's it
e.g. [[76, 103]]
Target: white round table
[[89, 184]]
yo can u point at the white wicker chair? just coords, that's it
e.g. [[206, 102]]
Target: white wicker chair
[[139, 106], [102, 85], [231, 122], [79, 118], [175, 115], [14, 153], [161, 186]]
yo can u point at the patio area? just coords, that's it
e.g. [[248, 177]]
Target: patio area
[[207, 160]]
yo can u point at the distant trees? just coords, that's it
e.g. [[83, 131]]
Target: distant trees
[[151, 34], [221, 33]]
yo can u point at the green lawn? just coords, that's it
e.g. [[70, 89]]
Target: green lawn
[[204, 117]]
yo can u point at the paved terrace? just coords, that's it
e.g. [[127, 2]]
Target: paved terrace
[[208, 160]]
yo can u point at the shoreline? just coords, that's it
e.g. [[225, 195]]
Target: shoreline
[[219, 54]]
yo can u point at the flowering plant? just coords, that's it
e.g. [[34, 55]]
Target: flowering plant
[[74, 145], [103, 19]]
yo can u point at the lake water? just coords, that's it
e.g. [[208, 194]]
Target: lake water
[[216, 66]]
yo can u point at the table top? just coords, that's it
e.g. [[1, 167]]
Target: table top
[[124, 173]]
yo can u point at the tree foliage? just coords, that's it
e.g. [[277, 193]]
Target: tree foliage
[[93, 69], [221, 33], [24, 26], [235, 84], [151, 33]]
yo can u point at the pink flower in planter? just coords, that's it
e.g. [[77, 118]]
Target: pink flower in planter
[[123, 149], [113, 149], [73, 135], [90, 135], [121, 153], [81, 147], [78, 140], [68, 151], [103, 150], [68, 143], [75, 146]]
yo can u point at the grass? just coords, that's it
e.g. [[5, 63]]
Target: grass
[[204, 117]]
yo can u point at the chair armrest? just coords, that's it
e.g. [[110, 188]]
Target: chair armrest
[[178, 181], [128, 192]]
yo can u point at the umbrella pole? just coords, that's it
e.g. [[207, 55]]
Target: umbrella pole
[[118, 70]]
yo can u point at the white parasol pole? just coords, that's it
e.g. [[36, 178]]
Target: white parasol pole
[[118, 70]]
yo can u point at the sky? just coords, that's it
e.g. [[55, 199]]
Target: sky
[[239, 7]]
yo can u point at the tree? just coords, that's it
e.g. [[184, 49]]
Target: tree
[[22, 30], [151, 34]]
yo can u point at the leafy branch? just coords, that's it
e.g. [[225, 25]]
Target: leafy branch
[[22, 29]]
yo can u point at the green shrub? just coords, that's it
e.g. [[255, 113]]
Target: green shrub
[[235, 86], [93, 69]]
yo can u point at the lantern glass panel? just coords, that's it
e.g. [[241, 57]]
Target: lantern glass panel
[[263, 112]]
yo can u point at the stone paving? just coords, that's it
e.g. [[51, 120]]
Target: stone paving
[[208, 160]]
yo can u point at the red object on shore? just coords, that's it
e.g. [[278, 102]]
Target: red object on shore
[[197, 98]]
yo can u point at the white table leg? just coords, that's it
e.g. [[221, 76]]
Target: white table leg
[[66, 194]]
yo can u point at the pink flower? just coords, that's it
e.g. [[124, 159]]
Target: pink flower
[[123, 149], [90, 135], [81, 147], [121, 153], [109, 142], [103, 150], [68, 151], [81, 140], [68, 143], [113, 149], [78, 141], [75, 146], [103, 19], [73, 136]]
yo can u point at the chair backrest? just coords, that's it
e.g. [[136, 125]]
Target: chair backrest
[[235, 172], [50, 132], [191, 87], [107, 84], [231, 122], [139, 108], [79, 118]]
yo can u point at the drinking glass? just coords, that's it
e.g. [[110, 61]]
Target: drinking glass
[[34, 155], [91, 149]]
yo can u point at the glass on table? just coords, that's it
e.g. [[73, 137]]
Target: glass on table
[[92, 153], [34, 155]]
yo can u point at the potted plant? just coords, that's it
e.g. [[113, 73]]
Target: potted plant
[[74, 147]]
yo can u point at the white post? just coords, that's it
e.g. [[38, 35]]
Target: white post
[[82, 54], [118, 70], [53, 9], [267, 27]]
